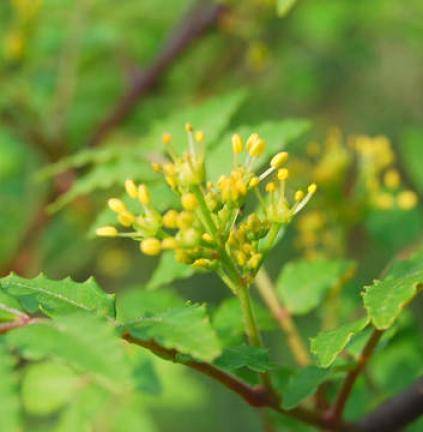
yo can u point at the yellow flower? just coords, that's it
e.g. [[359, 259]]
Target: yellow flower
[[151, 246], [117, 205], [107, 231], [407, 200], [189, 201]]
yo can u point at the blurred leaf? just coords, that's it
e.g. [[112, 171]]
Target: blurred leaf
[[328, 345], [83, 341], [186, 329], [9, 307], [48, 386], [9, 406], [385, 299], [169, 270], [277, 135], [302, 384], [283, 7], [58, 297], [229, 324], [135, 303], [245, 356], [127, 416], [303, 284], [412, 155]]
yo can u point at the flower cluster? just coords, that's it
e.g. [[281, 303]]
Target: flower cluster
[[210, 229]]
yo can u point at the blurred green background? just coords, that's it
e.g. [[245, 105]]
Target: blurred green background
[[356, 65]]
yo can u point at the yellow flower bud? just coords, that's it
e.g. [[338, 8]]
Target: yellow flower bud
[[251, 140], [312, 188], [166, 138], [199, 136], [169, 243], [170, 219], [182, 257], [107, 231], [392, 179], [150, 246], [254, 261], [188, 127], [407, 200], [131, 188], [237, 143], [207, 238], [116, 205], [189, 201], [270, 187], [257, 147], [384, 201], [184, 220], [156, 167], [254, 182], [201, 263], [299, 195], [240, 257], [126, 218], [283, 174], [143, 194], [278, 160]]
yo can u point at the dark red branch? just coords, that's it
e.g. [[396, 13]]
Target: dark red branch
[[203, 16]]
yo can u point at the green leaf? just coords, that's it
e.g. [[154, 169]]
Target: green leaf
[[276, 134], [9, 307], [283, 7], [83, 341], [135, 303], [302, 384], [385, 299], [328, 345], [186, 329], [229, 324], [48, 386], [412, 154], [303, 284], [169, 270], [58, 297], [9, 401], [245, 356]]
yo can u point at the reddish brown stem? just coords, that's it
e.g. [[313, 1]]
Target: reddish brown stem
[[348, 384]]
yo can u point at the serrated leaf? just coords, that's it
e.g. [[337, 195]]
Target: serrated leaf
[[385, 299], [245, 356], [303, 284], [283, 7], [302, 384], [169, 270], [276, 134], [186, 329], [83, 341], [56, 297], [9, 405], [9, 307], [48, 386], [327, 345]]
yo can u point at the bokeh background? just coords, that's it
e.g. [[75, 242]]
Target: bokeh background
[[65, 66]]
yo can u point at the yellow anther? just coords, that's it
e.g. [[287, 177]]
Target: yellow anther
[[166, 138], [257, 147], [116, 205], [384, 201], [188, 127], [407, 200], [251, 140], [126, 218], [278, 160], [151, 246], [156, 167], [299, 195], [170, 219], [169, 243], [201, 263], [312, 188], [237, 143], [143, 194], [254, 182], [171, 181], [270, 187], [199, 136], [283, 174], [254, 261], [240, 257], [207, 238], [107, 231], [131, 188], [392, 179], [189, 201]]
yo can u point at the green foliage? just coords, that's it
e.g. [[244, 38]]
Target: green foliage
[[58, 297], [283, 7], [245, 356], [385, 299], [328, 345], [302, 285]]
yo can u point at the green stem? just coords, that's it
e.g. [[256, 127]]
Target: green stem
[[249, 319]]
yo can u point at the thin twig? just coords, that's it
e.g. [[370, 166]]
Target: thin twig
[[200, 19], [282, 317]]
